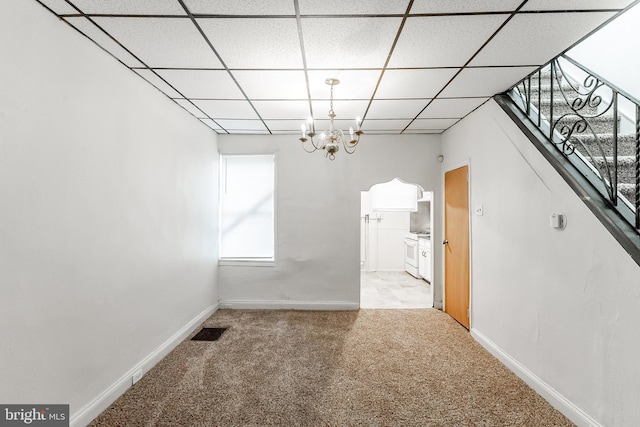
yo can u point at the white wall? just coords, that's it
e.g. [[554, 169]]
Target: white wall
[[560, 307], [612, 52], [387, 231], [318, 211], [392, 229], [108, 204]]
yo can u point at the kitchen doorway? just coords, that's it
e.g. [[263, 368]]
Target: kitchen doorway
[[385, 281]]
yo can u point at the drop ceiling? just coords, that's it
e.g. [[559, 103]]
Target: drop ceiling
[[405, 66]]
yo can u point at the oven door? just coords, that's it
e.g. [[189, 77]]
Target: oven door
[[411, 257], [411, 252]]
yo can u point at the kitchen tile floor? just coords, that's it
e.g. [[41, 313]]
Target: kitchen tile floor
[[393, 289]]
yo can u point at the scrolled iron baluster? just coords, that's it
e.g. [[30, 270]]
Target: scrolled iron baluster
[[637, 203], [589, 99], [575, 130], [582, 126], [529, 96], [614, 182], [539, 97], [567, 133]]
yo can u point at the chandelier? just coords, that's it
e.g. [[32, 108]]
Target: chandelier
[[330, 140]]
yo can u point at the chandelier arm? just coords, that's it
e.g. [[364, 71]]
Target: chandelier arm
[[314, 144], [304, 147], [350, 148]]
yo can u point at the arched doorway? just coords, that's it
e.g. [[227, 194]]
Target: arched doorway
[[390, 212]]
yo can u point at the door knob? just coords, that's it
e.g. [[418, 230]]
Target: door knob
[[445, 242]]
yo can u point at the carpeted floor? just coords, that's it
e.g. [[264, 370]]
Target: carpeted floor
[[413, 367]]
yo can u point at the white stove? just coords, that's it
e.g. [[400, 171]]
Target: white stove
[[412, 252]]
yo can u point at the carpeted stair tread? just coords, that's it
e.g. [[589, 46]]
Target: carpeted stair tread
[[628, 191]]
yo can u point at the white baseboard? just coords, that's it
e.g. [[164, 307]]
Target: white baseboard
[[557, 400], [289, 305], [101, 402]]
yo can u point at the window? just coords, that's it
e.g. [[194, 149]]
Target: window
[[247, 220]]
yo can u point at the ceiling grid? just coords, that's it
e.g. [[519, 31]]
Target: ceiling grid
[[405, 66]]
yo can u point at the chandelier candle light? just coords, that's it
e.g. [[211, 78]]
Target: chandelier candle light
[[331, 140]]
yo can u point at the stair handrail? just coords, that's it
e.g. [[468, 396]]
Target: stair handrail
[[602, 79], [567, 132]]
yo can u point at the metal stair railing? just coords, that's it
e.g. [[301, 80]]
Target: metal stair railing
[[592, 123]]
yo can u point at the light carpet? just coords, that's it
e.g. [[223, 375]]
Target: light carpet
[[415, 367]]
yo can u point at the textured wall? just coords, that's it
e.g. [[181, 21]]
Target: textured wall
[[318, 216], [561, 306], [108, 205]]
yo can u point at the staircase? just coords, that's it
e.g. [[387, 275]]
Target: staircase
[[593, 124]]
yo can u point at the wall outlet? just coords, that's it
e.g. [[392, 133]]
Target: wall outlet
[[479, 210], [137, 376]]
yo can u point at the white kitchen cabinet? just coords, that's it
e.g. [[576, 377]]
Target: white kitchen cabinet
[[424, 260]]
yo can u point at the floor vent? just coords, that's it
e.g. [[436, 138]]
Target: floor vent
[[209, 334]]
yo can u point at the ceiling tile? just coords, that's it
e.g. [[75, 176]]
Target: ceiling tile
[[575, 4], [225, 109], [395, 109], [60, 7], [354, 84], [247, 7], [285, 125], [552, 32], [484, 81], [422, 40], [130, 7], [195, 111], [286, 132], [451, 108], [297, 110], [98, 36], [432, 124], [255, 43], [238, 126], [323, 125], [211, 124], [152, 78], [413, 83], [371, 125], [423, 131], [248, 132], [352, 7], [383, 132], [344, 109], [353, 44], [162, 42], [464, 6], [205, 84], [281, 84]]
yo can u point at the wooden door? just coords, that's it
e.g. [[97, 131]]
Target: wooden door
[[456, 244]]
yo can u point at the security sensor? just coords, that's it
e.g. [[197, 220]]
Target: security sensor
[[557, 221]]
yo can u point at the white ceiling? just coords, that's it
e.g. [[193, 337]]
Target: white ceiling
[[259, 66]]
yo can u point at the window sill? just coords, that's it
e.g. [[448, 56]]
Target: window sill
[[245, 263]]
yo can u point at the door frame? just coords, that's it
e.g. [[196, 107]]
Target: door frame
[[448, 167]]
